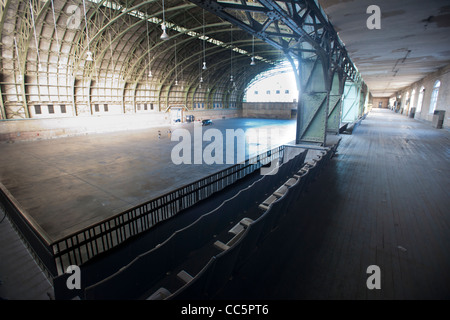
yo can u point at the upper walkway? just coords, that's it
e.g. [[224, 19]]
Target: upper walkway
[[384, 200]]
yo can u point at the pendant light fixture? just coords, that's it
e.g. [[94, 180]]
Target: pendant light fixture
[[164, 35], [231, 59], [88, 53], [89, 56], [253, 52], [176, 66], [148, 48], [35, 38], [204, 42], [200, 71]]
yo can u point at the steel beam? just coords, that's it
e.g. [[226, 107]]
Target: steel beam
[[351, 102]]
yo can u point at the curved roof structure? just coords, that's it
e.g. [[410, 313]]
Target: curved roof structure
[[47, 48]]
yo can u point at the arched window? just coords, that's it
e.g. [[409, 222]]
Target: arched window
[[420, 100], [434, 96]]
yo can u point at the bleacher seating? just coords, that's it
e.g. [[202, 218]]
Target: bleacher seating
[[233, 248]]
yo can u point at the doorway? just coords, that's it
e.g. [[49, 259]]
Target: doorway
[[176, 114]]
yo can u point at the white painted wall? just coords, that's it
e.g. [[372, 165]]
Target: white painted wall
[[443, 99]]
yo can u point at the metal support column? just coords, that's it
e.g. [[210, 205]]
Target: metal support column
[[335, 103], [312, 112]]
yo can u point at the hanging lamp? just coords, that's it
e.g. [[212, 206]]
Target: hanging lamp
[[164, 35], [35, 38], [89, 56], [148, 48], [231, 58], [176, 66], [252, 63], [88, 53], [204, 44]]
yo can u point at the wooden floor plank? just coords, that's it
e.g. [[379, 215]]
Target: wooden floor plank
[[388, 189]]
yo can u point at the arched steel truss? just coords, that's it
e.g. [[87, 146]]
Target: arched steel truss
[[301, 30], [42, 63], [52, 67]]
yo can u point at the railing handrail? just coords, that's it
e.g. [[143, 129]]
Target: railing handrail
[[84, 244], [130, 220], [96, 224], [202, 218], [99, 237]]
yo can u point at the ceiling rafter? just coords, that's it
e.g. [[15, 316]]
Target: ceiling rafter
[[303, 19]]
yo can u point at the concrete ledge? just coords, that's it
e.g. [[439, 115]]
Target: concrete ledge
[[269, 110], [214, 113], [37, 129]]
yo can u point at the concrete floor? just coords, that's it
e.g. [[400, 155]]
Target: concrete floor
[[66, 184]]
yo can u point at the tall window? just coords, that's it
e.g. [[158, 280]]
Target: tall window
[[434, 96], [420, 100], [413, 96], [407, 103]]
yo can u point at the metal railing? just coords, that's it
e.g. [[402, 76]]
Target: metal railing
[[147, 270], [83, 245]]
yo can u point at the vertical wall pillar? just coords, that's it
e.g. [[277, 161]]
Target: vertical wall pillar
[[2, 106], [368, 103], [362, 99], [89, 96], [312, 110], [74, 100]]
